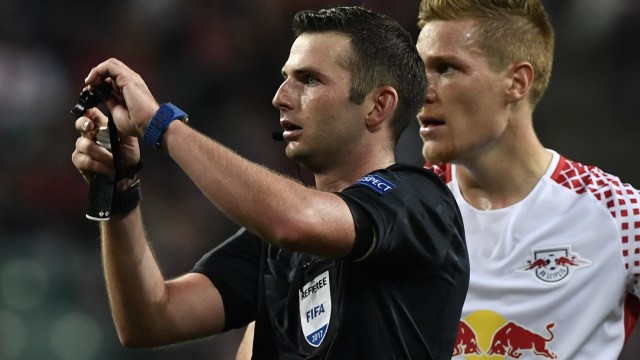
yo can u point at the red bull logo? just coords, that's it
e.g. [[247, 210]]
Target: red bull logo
[[487, 335], [553, 265], [512, 339], [466, 342]]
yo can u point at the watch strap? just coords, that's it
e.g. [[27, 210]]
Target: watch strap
[[125, 201], [160, 121]]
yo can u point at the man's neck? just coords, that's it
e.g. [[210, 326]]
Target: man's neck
[[502, 179], [338, 179]]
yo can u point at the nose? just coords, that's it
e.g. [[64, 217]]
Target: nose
[[280, 99], [431, 92]]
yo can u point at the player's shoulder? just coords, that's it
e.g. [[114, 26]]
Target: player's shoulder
[[582, 178], [416, 176], [442, 170], [406, 181]]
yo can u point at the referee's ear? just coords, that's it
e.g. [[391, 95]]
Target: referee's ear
[[383, 103]]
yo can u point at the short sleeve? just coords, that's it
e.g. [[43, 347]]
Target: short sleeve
[[411, 214], [233, 267]]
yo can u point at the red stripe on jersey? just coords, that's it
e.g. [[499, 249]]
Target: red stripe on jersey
[[442, 170], [622, 201]]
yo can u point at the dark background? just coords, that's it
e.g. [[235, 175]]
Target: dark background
[[220, 61]]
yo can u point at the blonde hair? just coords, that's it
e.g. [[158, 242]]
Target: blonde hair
[[507, 31]]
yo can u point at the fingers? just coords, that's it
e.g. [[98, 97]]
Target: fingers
[[78, 163], [133, 104], [90, 157], [91, 121], [131, 100], [111, 68], [85, 126], [118, 75]]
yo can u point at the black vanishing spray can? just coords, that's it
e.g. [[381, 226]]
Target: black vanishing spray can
[[101, 186]]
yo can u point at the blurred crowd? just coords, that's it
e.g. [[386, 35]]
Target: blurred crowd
[[220, 61]]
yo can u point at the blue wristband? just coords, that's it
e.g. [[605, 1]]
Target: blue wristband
[[160, 122]]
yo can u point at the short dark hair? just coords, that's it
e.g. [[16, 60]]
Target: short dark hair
[[383, 54]]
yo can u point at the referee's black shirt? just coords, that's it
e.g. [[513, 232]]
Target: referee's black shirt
[[398, 295]]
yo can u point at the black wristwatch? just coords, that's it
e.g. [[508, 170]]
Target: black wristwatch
[[125, 201]]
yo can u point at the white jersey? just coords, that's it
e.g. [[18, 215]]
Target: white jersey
[[555, 276]]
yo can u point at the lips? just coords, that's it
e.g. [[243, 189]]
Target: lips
[[291, 130], [429, 124]]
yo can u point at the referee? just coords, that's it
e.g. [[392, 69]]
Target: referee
[[369, 264]]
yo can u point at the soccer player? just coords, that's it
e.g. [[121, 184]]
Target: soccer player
[[370, 264], [554, 245]]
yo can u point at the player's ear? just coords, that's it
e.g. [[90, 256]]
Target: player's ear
[[521, 77], [383, 104]]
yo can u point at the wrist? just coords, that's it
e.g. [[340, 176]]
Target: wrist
[[124, 184], [142, 127], [125, 201], [159, 123]]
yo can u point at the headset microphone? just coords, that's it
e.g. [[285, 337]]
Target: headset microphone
[[277, 136]]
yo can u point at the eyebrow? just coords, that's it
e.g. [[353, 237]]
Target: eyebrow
[[301, 71], [442, 57]]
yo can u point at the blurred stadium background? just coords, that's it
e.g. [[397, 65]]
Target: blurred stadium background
[[220, 61]]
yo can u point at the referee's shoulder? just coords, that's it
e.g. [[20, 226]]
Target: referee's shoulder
[[409, 171], [420, 181]]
